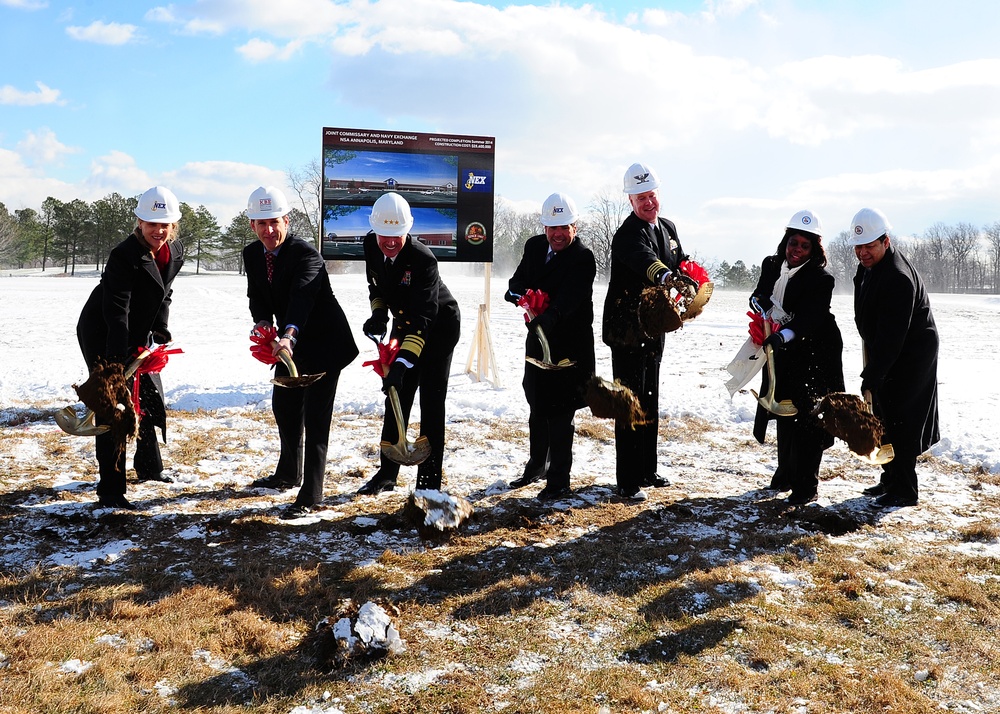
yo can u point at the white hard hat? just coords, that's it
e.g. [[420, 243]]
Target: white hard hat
[[391, 216], [867, 225], [640, 178], [267, 202], [158, 205], [806, 221], [559, 210]]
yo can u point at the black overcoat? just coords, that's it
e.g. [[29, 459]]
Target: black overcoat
[[300, 294], [893, 316], [568, 279], [424, 312], [637, 262], [811, 365], [131, 301]]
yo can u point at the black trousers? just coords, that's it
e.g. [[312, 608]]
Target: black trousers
[[800, 450], [303, 418], [430, 374], [147, 461], [551, 445], [635, 448], [899, 476]]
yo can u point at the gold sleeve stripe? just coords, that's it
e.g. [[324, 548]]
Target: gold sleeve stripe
[[379, 304], [654, 269], [412, 343]]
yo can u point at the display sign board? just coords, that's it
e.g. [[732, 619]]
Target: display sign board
[[446, 178]]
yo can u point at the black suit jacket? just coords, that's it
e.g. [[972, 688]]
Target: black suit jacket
[[638, 260], [424, 313], [300, 295], [568, 279]]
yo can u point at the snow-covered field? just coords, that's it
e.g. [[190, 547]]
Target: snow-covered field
[[715, 467]]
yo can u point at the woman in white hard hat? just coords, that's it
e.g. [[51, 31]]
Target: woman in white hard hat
[[794, 292], [558, 270], [128, 310]]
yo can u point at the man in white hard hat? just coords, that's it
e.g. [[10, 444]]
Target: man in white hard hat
[[403, 280], [127, 311], [900, 343], [290, 293], [555, 282], [645, 251]]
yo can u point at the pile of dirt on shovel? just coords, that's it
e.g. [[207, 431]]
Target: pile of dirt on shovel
[[613, 400], [658, 311], [106, 393], [848, 417]]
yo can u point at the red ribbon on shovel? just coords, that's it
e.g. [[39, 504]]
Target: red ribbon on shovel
[[153, 363]]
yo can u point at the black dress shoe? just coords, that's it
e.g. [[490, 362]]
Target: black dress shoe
[[631, 495], [778, 484], [297, 510], [876, 490], [275, 483], [157, 477], [655, 481], [527, 479], [892, 500], [377, 485], [799, 499], [115, 502], [551, 492]]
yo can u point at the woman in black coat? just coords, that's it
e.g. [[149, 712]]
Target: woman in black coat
[[128, 310], [559, 265], [795, 290]]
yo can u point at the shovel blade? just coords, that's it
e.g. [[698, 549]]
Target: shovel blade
[[782, 408], [303, 380], [542, 364], [880, 455], [405, 453], [69, 422]]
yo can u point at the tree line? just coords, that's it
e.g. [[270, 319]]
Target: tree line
[[960, 258]]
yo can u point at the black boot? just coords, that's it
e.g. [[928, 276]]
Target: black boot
[[378, 483]]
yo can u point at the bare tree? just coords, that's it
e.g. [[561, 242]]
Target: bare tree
[[841, 261], [608, 208], [307, 182], [936, 268], [963, 241], [992, 235]]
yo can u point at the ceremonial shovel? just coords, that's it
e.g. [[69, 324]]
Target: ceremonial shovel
[[294, 379], [69, 422], [785, 406], [403, 452]]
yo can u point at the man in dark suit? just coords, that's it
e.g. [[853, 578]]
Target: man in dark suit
[[645, 251], [900, 342], [403, 278], [288, 286], [559, 266]]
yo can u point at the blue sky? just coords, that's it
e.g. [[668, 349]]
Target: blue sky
[[749, 109]]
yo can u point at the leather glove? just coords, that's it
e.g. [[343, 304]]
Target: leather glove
[[774, 341], [546, 321], [161, 337], [394, 377], [375, 325], [512, 298]]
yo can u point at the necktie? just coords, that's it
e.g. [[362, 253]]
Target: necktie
[[548, 256], [269, 260], [658, 235]]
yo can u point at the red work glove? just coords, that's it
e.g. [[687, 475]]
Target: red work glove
[[757, 327], [694, 271], [262, 336]]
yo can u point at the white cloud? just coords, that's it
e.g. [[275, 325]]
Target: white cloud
[[18, 97], [257, 50], [42, 147], [25, 4], [103, 33], [118, 171]]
